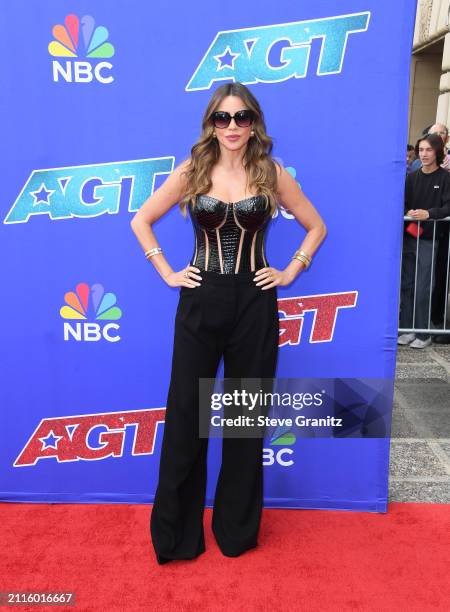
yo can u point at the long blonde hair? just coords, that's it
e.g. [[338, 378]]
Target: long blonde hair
[[258, 162]]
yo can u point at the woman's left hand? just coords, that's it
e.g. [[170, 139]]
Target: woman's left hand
[[269, 277], [418, 213]]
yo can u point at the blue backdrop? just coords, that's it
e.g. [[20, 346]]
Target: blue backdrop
[[100, 101]]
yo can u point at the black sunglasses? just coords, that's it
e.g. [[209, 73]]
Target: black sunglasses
[[242, 118]]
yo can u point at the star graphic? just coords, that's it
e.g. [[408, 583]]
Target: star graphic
[[50, 441], [230, 58], [42, 195]]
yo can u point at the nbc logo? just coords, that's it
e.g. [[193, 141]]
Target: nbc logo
[[281, 438], [80, 37], [83, 301]]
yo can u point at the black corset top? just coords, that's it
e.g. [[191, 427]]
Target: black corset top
[[229, 237]]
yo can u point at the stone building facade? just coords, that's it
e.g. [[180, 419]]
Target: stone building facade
[[430, 68]]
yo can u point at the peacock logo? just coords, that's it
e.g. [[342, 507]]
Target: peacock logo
[[67, 38], [81, 38], [286, 438], [280, 438], [87, 303], [77, 303]]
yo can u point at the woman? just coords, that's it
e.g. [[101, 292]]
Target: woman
[[227, 307]]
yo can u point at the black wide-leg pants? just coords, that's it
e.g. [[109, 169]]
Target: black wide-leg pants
[[227, 315], [422, 284]]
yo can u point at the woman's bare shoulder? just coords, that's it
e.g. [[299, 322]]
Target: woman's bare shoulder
[[167, 195], [178, 175], [182, 166]]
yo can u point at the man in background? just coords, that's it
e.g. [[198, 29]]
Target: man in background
[[441, 130], [410, 157], [427, 196], [438, 299], [439, 294]]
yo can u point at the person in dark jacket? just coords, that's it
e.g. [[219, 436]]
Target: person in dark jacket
[[427, 197], [440, 291], [410, 158]]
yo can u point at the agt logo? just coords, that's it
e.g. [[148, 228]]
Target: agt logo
[[92, 190], [81, 38], [275, 53], [94, 437], [83, 301], [88, 191], [325, 308]]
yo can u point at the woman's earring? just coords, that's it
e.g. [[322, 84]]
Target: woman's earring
[[252, 133], [214, 135]]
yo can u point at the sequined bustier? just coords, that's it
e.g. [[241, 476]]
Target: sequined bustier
[[229, 237]]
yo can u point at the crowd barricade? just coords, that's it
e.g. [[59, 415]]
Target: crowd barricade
[[439, 278]]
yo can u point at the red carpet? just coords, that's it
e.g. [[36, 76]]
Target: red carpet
[[307, 560]]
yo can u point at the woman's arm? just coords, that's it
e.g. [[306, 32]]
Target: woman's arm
[[161, 200], [295, 201]]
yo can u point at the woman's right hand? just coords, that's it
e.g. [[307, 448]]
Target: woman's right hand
[[179, 279]]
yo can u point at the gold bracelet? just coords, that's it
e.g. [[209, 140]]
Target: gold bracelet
[[152, 252], [304, 261], [301, 258], [302, 252]]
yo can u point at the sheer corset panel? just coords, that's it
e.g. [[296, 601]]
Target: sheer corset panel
[[229, 237]]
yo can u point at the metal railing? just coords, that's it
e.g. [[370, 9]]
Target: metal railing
[[432, 284]]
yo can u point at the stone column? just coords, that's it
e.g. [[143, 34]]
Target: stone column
[[443, 109]]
